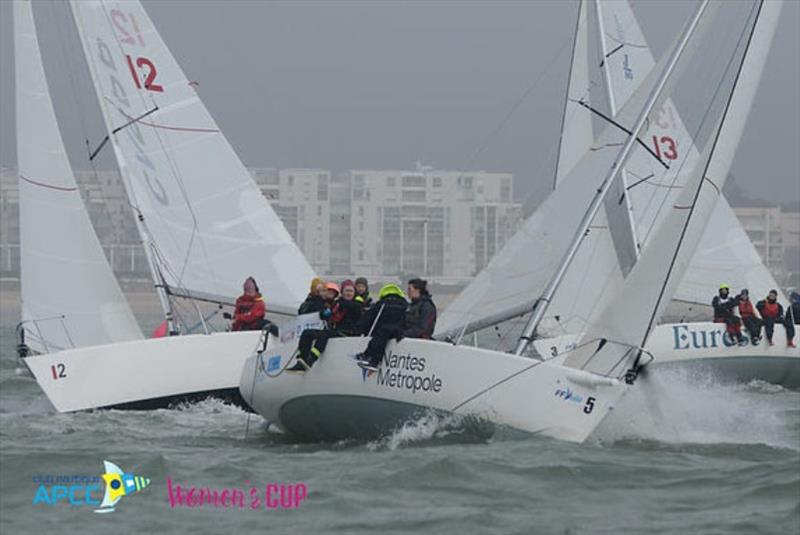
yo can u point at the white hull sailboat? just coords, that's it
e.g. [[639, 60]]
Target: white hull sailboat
[[567, 397], [204, 225]]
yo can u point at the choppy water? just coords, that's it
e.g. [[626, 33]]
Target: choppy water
[[677, 456]]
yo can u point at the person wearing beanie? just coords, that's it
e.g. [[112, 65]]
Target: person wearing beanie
[[749, 317], [249, 310], [421, 315], [362, 292], [331, 293], [315, 301], [383, 321], [343, 322]]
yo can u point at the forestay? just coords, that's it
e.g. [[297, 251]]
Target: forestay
[[70, 297], [624, 323], [205, 220]]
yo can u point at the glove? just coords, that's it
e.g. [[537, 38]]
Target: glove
[[325, 314], [227, 315]]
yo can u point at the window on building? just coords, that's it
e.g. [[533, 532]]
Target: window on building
[[290, 180], [390, 182], [360, 211], [319, 210], [437, 182], [414, 195], [414, 181], [322, 188], [505, 190]]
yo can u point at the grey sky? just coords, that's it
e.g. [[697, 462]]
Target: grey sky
[[345, 85]]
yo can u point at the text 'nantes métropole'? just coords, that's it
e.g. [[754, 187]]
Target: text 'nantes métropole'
[[405, 371]]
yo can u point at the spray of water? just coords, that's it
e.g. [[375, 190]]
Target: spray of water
[[676, 406]]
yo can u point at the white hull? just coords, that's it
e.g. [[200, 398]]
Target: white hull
[[705, 348], [337, 400], [144, 374]]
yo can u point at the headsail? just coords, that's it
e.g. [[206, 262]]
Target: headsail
[[204, 220], [70, 297]]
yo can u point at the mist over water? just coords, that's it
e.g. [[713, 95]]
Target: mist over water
[[679, 454]]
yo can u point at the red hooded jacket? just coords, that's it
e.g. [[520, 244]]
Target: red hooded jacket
[[249, 313]]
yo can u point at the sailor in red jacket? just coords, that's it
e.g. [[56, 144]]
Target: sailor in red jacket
[[250, 308], [772, 313], [749, 317]]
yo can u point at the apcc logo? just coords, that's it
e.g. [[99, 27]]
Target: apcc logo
[[85, 489], [119, 484]]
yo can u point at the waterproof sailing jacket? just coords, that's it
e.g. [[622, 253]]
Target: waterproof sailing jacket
[[249, 313], [771, 311], [390, 312], [313, 303], [723, 308], [345, 317], [420, 318]]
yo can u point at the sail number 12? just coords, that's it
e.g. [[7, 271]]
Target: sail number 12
[[59, 371]]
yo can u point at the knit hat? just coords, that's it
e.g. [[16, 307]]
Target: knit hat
[[346, 283], [332, 286], [362, 280]]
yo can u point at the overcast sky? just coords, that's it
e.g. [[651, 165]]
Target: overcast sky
[[345, 85]]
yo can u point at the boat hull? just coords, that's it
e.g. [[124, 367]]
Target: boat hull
[[705, 349], [145, 374], [337, 400]]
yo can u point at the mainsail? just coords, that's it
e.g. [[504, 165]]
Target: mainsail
[[624, 323], [205, 224], [637, 204], [70, 297]]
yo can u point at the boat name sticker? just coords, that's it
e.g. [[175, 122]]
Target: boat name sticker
[[405, 371], [686, 337]]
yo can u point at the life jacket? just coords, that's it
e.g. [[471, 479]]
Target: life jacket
[[249, 313], [770, 310], [746, 309]]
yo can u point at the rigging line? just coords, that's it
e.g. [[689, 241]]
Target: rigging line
[[624, 129], [707, 164], [499, 128], [619, 47], [117, 129]]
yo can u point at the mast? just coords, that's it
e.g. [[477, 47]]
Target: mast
[[540, 307]]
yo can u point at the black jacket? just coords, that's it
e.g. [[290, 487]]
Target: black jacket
[[365, 300], [723, 309], [420, 318], [313, 303], [761, 310], [346, 315], [392, 310]]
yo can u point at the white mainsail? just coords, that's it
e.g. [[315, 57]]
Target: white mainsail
[[204, 221], [627, 319], [70, 297], [725, 253], [607, 252]]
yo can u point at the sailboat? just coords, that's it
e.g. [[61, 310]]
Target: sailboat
[[204, 224], [634, 210], [565, 398]]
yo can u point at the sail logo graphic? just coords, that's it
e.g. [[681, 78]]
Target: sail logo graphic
[[85, 489], [119, 484]]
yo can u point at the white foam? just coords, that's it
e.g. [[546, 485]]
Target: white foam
[[675, 406]]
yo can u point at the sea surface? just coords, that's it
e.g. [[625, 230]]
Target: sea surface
[[679, 455]]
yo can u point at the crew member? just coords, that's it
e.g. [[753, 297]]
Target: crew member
[[421, 315], [343, 321], [249, 310], [384, 321], [749, 315], [362, 292], [772, 313], [315, 301], [331, 293], [723, 305]]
